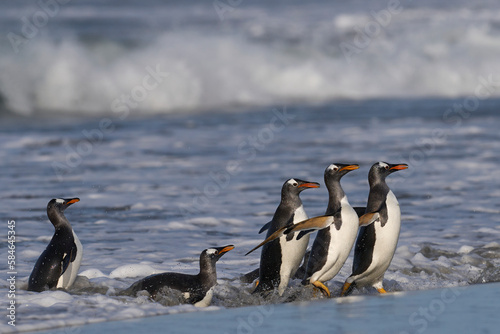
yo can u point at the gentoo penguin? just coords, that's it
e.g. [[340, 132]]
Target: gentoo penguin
[[59, 263], [281, 258], [333, 243], [337, 231], [376, 242], [197, 289]]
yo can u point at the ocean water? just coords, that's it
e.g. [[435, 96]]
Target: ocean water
[[176, 125]]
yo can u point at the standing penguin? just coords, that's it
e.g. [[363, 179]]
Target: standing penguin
[[197, 289], [281, 258], [333, 243], [59, 263], [337, 231], [376, 242]]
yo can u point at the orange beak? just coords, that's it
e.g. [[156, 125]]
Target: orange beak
[[400, 167], [310, 185], [350, 167], [74, 200], [226, 249]]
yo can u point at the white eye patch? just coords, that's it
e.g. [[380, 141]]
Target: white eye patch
[[211, 251], [60, 201], [332, 167]]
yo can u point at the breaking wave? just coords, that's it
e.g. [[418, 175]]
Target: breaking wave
[[255, 60]]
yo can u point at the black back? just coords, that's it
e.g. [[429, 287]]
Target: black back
[[51, 263], [196, 285], [271, 254], [177, 281], [60, 251]]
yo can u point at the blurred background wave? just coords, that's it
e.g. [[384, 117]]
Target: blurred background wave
[[77, 57]]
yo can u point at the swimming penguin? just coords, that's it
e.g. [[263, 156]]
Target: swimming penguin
[[197, 289], [376, 242], [59, 263], [281, 258]]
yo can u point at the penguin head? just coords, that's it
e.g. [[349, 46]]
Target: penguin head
[[55, 210], [296, 186], [61, 204], [380, 170], [336, 171], [215, 253]]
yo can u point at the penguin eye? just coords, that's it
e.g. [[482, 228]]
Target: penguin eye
[[386, 167], [295, 184], [335, 169]]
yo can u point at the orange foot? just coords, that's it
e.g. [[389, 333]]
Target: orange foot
[[345, 288], [323, 288]]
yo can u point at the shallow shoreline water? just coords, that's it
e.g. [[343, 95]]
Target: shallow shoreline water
[[470, 309]]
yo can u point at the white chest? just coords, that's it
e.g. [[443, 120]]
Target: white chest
[[68, 278], [393, 211], [206, 300], [387, 235], [292, 251], [340, 245], [299, 215]]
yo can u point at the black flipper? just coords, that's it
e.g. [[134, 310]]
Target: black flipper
[[66, 261], [303, 233], [74, 250], [68, 258], [265, 227], [288, 230]]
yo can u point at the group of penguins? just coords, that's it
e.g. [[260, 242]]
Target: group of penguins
[[284, 248]]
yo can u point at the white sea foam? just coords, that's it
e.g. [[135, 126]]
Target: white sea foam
[[421, 52], [132, 270], [92, 273], [46, 298]]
